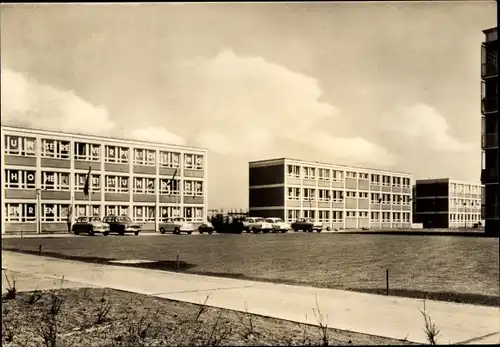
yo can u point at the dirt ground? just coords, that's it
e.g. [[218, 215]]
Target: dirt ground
[[105, 317]]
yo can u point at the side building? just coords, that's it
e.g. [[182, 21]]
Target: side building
[[489, 132], [44, 172], [342, 197], [444, 203]]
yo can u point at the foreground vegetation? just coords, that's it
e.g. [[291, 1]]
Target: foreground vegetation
[[105, 317]]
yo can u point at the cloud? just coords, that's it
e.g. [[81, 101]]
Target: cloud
[[30, 104], [422, 123], [155, 134], [248, 106]]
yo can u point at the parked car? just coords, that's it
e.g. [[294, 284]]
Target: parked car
[[176, 225], [206, 227], [257, 224], [226, 224], [307, 224], [90, 225], [278, 224], [122, 225]]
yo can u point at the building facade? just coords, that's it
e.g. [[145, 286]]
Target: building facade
[[339, 196], [44, 173], [444, 203], [489, 131]]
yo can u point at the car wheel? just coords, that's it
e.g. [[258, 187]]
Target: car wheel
[[121, 233], [91, 232], [210, 232], [76, 232], [136, 233], [283, 231], [309, 230], [106, 233], [162, 230], [200, 230], [176, 231], [189, 232], [255, 230], [319, 230]]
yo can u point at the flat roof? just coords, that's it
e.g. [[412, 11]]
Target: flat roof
[[97, 137], [489, 30], [446, 179], [310, 162]]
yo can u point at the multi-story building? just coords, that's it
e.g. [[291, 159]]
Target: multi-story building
[[444, 203], [489, 131], [342, 197], [44, 173]]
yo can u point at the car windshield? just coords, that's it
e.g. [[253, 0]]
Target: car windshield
[[310, 220], [179, 219], [124, 219], [96, 219], [259, 219], [82, 219]]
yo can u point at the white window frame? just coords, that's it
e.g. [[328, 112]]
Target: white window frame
[[324, 216], [309, 194], [363, 214], [375, 179], [188, 188], [363, 195], [396, 217], [335, 174], [406, 217], [58, 209], [351, 174], [396, 199], [386, 201], [309, 173], [171, 212], [147, 185], [386, 180], [323, 195], [144, 157], [166, 190], [61, 149], [58, 186], [96, 210], [375, 216], [292, 215], [22, 179], [94, 184], [26, 146], [324, 174], [396, 181], [92, 151], [351, 194], [170, 159], [405, 200], [375, 198], [18, 212], [143, 213], [363, 176], [119, 187], [117, 210], [337, 195], [113, 154], [384, 215], [337, 216], [295, 171], [195, 162], [350, 214], [310, 213], [406, 182], [293, 193]]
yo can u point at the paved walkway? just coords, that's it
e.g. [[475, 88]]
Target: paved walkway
[[365, 313]]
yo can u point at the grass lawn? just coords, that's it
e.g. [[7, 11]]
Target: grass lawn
[[104, 317], [450, 268]]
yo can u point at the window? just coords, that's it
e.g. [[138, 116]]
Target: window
[[363, 214], [55, 149], [144, 185], [375, 198], [350, 194], [350, 214], [293, 215], [55, 180], [337, 216], [55, 212], [453, 217], [293, 193], [363, 195], [198, 214], [87, 151], [386, 217], [193, 161], [309, 172], [375, 216], [396, 181], [453, 187], [20, 213], [170, 159], [396, 216], [337, 176], [116, 184], [324, 216], [363, 176], [294, 171], [169, 212], [144, 214], [350, 174], [386, 199], [323, 195], [82, 210], [94, 184], [466, 189], [309, 214], [309, 194], [145, 157], [19, 145], [166, 189], [20, 179], [405, 199], [188, 213], [406, 217], [396, 199], [375, 179], [115, 154], [324, 174], [116, 210], [386, 180], [188, 187], [337, 196]]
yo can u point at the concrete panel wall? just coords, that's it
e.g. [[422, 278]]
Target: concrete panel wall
[[55, 163], [144, 198], [115, 167], [118, 197], [148, 170], [19, 161], [55, 195], [20, 194], [193, 199]]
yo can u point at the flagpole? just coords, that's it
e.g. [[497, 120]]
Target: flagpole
[[90, 193]]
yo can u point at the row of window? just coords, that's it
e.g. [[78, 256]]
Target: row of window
[[309, 194], [60, 181], [26, 212], [337, 175], [338, 216], [61, 149], [465, 188], [474, 217], [465, 203]]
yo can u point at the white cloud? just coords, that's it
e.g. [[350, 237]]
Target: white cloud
[[424, 124], [28, 103], [248, 106], [155, 134]]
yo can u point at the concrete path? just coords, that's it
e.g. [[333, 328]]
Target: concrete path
[[365, 313]]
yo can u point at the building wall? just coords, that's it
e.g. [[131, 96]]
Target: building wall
[[43, 174], [339, 196]]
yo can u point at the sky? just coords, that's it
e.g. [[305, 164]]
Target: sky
[[394, 86]]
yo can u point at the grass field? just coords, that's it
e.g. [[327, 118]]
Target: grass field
[[460, 269]]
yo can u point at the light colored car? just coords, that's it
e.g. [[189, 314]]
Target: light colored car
[[176, 226], [278, 224], [90, 225], [258, 224]]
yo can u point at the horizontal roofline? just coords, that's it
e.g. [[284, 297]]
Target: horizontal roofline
[[489, 30], [446, 179]]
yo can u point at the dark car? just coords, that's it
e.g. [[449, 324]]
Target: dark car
[[306, 224], [122, 225], [90, 225], [225, 224], [206, 228]]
